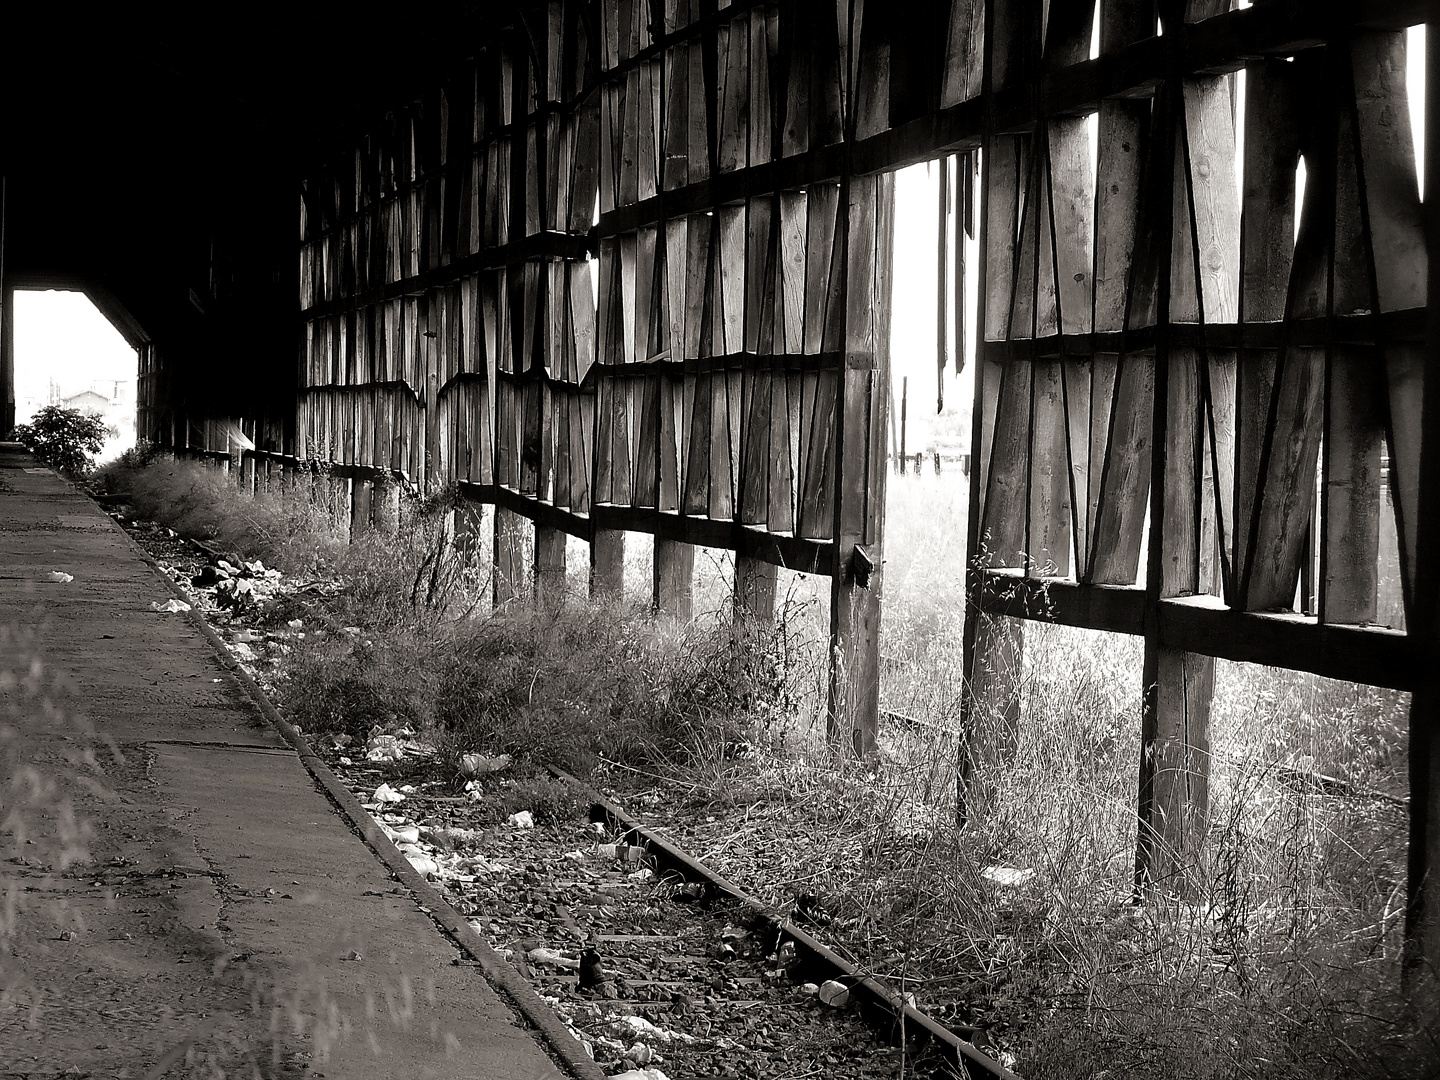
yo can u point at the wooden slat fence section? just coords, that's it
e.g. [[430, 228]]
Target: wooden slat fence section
[[629, 270], [1254, 372]]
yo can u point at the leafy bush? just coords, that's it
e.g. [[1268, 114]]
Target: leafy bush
[[65, 438]]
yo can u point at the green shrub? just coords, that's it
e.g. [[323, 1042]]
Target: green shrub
[[65, 438]]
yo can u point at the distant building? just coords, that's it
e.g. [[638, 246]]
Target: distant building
[[117, 409], [87, 400]]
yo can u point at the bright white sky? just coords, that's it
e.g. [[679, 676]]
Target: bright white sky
[[61, 336]]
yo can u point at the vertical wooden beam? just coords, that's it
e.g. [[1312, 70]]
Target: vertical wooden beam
[[247, 474], [342, 502], [508, 580], [1151, 276], [385, 506], [1422, 912], [607, 564], [467, 530], [674, 579], [862, 414], [7, 352], [549, 568], [1179, 756], [755, 582], [994, 688]]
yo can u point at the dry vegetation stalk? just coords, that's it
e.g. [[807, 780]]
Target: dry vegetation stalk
[[1282, 961]]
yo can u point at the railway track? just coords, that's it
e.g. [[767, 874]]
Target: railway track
[[890, 1014], [650, 958]]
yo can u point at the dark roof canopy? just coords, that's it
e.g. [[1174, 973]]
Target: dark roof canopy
[[135, 138]]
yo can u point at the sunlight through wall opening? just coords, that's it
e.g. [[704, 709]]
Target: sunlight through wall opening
[[68, 354]]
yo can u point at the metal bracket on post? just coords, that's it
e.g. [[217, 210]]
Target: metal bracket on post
[[861, 566]]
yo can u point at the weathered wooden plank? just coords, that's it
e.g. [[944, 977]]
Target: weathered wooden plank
[[647, 456], [1210, 162], [1003, 187], [963, 52], [674, 579], [699, 146], [607, 564], [1175, 810], [796, 45], [822, 206], [791, 250], [733, 53], [732, 255], [1267, 242], [671, 426], [763, 130], [677, 117], [762, 283], [699, 287], [856, 588], [509, 581], [649, 123], [722, 443], [1397, 245], [784, 438], [1047, 542], [752, 502], [549, 574], [701, 446], [1004, 524], [817, 492]]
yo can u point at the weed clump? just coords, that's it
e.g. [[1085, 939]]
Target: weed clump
[[295, 527], [598, 683]]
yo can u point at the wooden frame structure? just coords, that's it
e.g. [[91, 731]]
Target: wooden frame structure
[[1182, 403]]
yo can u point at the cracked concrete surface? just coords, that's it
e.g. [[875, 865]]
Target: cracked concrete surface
[[178, 897]]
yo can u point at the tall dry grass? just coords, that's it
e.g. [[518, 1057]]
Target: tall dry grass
[[1284, 960]]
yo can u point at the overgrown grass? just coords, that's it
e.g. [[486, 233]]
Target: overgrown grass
[[602, 682], [297, 527], [1282, 960]]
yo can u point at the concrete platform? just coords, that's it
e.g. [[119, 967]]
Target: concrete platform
[[178, 896]]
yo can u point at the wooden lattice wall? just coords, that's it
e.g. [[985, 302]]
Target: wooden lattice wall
[[1181, 407], [1183, 401]]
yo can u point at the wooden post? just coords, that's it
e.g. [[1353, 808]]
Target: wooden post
[[509, 574], [342, 503], [549, 568], [991, 706], [995, 683], [607, 564], [1176, 750], [385, 506], [7, 334], [361, 496], [856, 584], [755, 582], [247, 474], [674, 578], [469, 523], [904, 405], [1194, 397], [1422, 915]]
